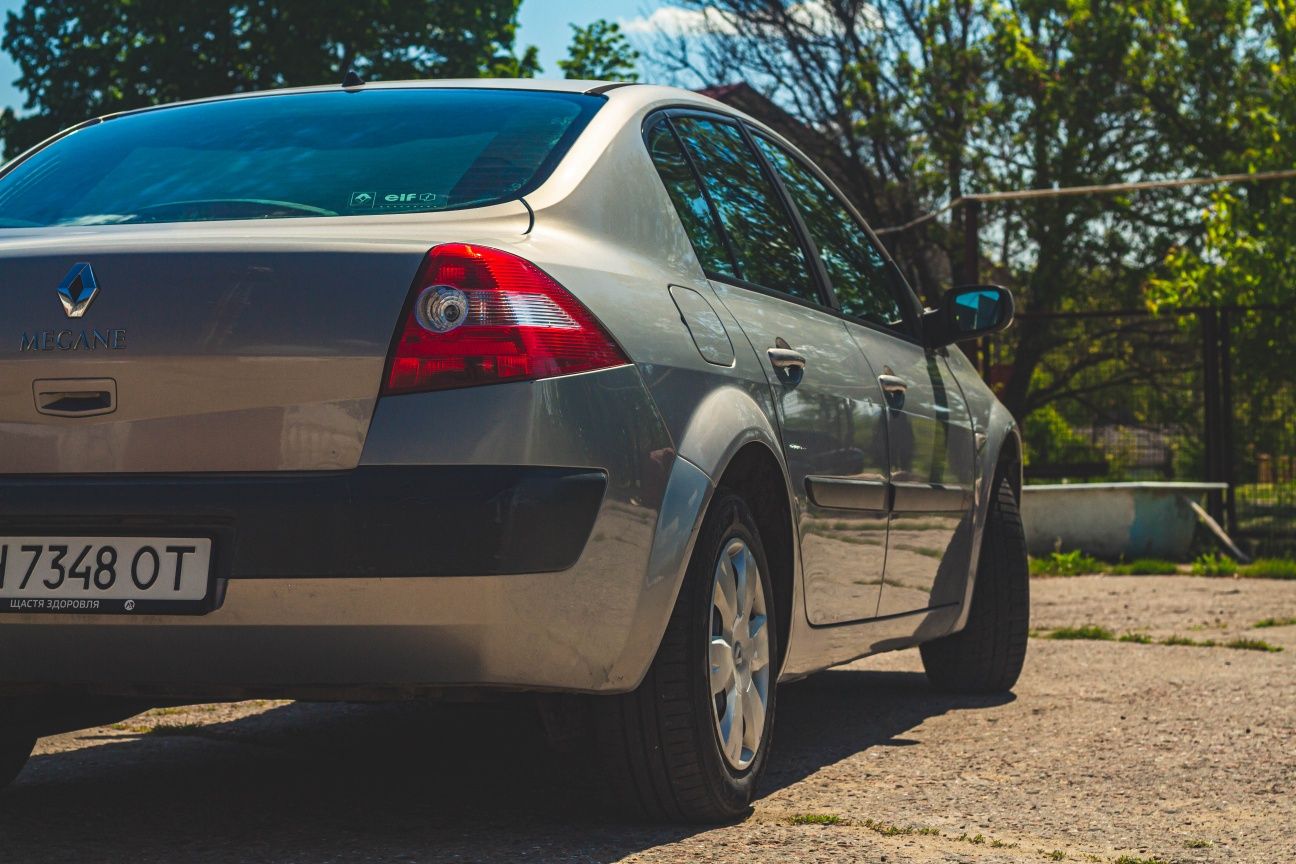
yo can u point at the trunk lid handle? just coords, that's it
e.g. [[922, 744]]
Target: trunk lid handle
[[75, 397]]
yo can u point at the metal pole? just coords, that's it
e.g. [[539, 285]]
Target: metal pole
[[971, 242], [1228, 461], [1210, 394], [972, 272]]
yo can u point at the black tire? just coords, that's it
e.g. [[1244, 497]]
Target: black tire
[[987, 655], [15, 748], [659, 754]]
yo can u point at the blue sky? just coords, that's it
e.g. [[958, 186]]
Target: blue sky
[[543, 24]]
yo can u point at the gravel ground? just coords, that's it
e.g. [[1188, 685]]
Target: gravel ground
[[1107, 749]]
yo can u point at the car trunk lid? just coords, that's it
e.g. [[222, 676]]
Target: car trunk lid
[[199, 348]]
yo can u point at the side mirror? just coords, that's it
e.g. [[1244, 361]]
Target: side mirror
[[968, 312]]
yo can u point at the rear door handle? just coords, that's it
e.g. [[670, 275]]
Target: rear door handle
[[892, 384], [786, 358]]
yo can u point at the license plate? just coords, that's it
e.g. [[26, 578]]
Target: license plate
[[104, 574]]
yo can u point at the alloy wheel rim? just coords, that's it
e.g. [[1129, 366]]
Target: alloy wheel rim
[[738, 654]]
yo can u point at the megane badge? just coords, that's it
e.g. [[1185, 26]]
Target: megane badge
[[78, 290]]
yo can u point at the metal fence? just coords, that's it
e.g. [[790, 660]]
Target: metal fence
[[1127, 396]]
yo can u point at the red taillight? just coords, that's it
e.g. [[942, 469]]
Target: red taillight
[[482, 316]]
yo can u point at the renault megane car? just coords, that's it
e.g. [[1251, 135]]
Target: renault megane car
[[594, 391]]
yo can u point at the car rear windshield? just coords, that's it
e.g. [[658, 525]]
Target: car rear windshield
[[303, 154]]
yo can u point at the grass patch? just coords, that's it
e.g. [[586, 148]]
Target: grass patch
[[1145, 567], [1269, 568], [1088, 631], [1274, 622], [1094, 633], [896, 831], [176, 729], [1252, 645], [1214, 565], [1190, 643], [1198, 844], [1065, 564], [815, 819]]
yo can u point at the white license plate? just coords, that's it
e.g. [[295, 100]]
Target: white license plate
[[104, 574]]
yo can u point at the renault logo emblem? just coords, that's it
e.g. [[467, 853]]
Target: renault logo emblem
[[78, 290]]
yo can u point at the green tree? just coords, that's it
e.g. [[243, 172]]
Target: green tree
[[921, 101], [601, 52], [82, 58]]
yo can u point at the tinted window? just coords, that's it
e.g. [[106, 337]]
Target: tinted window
[[854, 265], [769, 253], [311, 154], [681, 184]]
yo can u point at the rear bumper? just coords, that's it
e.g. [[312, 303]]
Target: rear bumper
[[372, 521], [425, 567]]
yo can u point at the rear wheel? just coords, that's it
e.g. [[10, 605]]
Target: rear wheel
[[691, 742], [987, 655], [15, 748]]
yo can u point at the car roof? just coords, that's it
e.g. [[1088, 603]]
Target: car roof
[[619, 90]]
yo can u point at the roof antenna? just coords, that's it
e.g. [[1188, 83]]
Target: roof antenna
[[352, 79]]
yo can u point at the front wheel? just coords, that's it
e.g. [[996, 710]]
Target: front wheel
[[689, 745], [987, 655]]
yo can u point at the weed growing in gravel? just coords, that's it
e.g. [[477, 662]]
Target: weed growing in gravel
[[1065, 564], [896, 831], [1136, 638], [1261, 568], [1057, 855], [176, 729], [1191, 643], [1275, 622], [1088, 631], [815, 819], [1252, 645], [1198, 844], [1145, 567], [1214, 565], [978, 839], [999, 844], [1270, 568], [1133, 859]]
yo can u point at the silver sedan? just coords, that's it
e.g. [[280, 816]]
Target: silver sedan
[[603, 393]]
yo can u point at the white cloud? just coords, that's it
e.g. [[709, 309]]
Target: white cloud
[[675, 21]]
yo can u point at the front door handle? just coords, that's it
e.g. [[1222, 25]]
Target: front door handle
[[786, 358], [893, 390]]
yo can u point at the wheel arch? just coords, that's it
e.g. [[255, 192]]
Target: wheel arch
[[756, 474], [1000, 457]]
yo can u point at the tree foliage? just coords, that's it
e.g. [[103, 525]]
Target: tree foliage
[[601, 52], [927, 100], [81, 58]]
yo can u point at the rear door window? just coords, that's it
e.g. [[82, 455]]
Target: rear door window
[[855, 266], [332, 153], [768, 251]]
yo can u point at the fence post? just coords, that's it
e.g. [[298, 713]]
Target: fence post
[[1228, 455], [972, 271], [1211, 396]]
